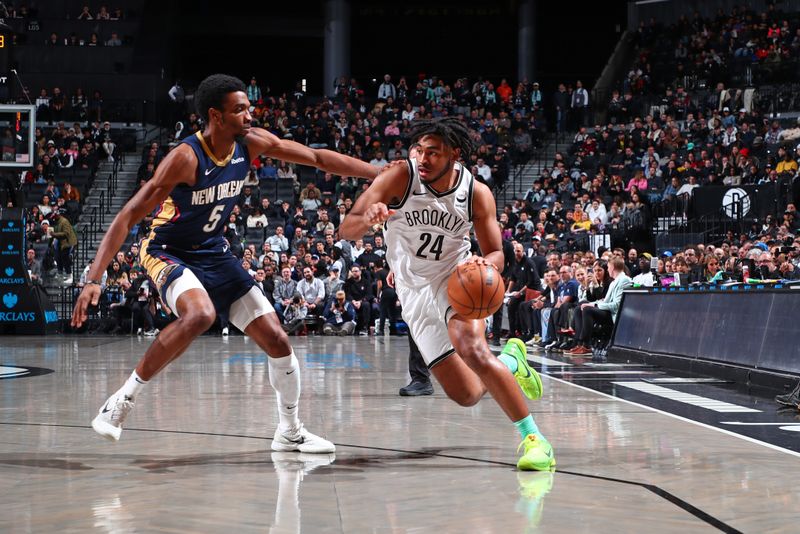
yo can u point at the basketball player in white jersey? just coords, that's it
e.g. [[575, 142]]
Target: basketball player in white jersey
[[429, 205]]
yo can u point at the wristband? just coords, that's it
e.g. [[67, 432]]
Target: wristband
[[93, 282]]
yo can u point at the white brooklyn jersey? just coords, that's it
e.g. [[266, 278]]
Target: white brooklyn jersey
[[429, 233]]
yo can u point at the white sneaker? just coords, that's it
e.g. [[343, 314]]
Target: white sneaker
[[139, 332], [150, 333], [225, 332], [534, 340], [110, 417], [301, 440]]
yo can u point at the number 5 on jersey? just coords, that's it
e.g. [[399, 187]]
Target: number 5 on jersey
[[214, 218], [435, 248]]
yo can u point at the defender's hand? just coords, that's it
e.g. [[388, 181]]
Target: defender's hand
[[377, 213], [90, 295]]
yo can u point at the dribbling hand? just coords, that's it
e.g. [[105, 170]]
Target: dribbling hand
[[377, 213], [479, 260], [90, 295]]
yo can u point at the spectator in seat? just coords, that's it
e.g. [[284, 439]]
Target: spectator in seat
[[339, 316], [250, 199], [603, 311], [324, 224], [766, 269], [278, 242], [114, 40], [63, 159], [312, 289], [567, 298], [70, 193], [85, 14], [483, 172], [268, 171], [523, 144], [33, 266], [256, 223], [295, 315], [359, 293], [285, 289], [536, 313]]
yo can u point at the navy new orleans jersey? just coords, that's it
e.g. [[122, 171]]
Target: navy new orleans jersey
[[193, 218], [187, 228]]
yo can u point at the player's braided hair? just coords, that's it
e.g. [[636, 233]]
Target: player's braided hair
[[453, 131], [212, 91]]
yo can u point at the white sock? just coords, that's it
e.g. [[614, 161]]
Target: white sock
[[284, 375], [133, 385]]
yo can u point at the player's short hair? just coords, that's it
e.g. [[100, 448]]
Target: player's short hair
[[212, 91], [453, 132]]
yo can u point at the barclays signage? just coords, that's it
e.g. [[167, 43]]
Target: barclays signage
[[11, 227], [10, 300], [9, 278], [9, 250]]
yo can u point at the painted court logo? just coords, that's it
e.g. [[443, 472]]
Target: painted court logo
[[20, 371]]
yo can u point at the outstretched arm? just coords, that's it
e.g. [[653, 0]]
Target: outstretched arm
[[178, 167], [260, 141], [371, 207]]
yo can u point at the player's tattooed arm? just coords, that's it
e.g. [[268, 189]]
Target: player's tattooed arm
[[260, 141]]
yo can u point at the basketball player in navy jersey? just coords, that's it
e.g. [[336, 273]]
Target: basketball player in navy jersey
[[196, 187], [428, 205]]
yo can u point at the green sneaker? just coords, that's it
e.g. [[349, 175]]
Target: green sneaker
[[538, 455], [527, 377]]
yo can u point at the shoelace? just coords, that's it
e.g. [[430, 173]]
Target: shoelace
[[120, 411], [295, 432], [529, 437]]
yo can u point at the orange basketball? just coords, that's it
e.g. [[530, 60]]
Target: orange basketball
[[475, 291]]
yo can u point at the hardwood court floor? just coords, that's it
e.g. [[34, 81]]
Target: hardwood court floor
[[195, 455]]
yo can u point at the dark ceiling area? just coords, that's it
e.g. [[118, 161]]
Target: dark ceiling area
[[283, 43]]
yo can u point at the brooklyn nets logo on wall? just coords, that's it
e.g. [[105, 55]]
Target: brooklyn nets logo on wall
[[736, 203], [16, 371]]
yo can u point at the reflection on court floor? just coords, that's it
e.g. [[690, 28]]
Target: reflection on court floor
[[195, 456]]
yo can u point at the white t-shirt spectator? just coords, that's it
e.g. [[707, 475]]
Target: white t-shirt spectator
[[600, 214], [380, 163], [254, 221], [485, 171], [278, 243], [686, 189]]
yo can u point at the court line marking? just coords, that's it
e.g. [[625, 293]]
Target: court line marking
[[681, 418], [604, 373], [686, 398], [741, 423], [658, 491]]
